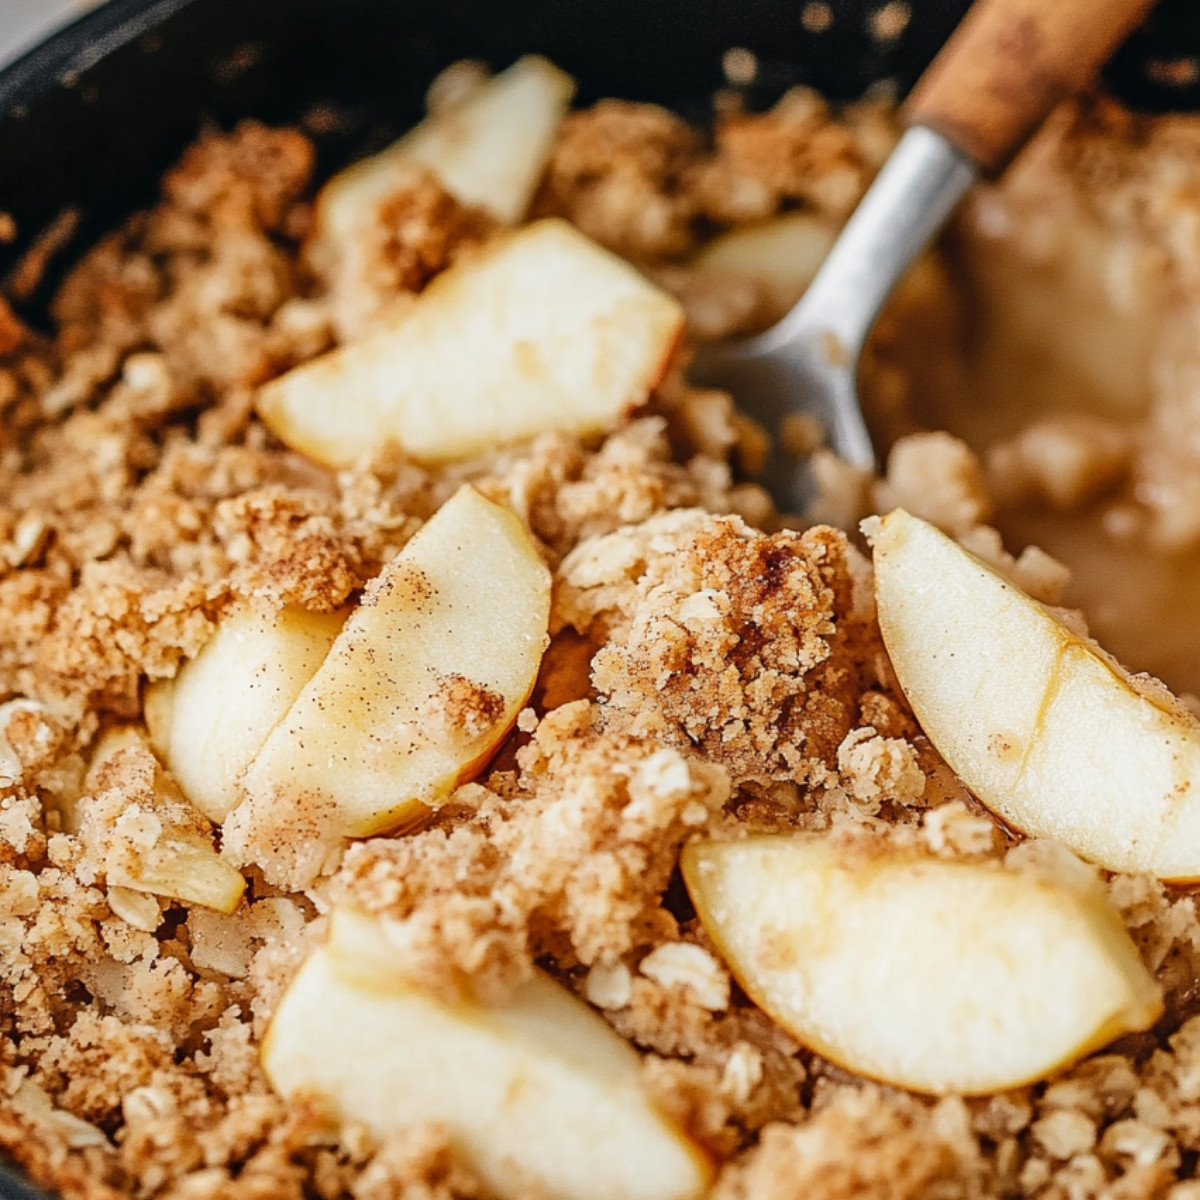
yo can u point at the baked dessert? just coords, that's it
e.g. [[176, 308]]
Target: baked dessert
[[431, 767]]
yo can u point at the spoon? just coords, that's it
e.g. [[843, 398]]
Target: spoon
[[1005, 67]]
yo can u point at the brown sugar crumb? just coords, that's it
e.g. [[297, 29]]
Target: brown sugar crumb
[[936, 477], [289, 543], [619, 171], [201, 277], [816, 16], [865, 1144], [573, 862], [876, 768], [417, 230], [464, 708], [418, 1162], [745, 648], [794, 153], [250, 178], [889, 22], [116, 626]]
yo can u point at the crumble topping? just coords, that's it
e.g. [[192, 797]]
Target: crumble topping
[[744, 648], [704, 678], [419, 230]]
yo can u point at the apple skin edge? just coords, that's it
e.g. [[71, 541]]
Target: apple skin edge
[[1131, 1000], [410, 816], [1051, 735]]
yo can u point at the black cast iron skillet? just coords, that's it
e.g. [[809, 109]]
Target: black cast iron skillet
[[90, 118]]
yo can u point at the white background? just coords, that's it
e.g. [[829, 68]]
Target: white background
[[24, 22]]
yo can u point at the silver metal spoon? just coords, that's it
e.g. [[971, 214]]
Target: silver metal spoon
[[1007, 65]]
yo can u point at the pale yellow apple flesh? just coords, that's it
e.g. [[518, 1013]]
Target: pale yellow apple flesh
[[180, 862], [540, 1096], [1044, 727], [187, 868], [424, 680], [782, 253], [932, 975], [490, 149], [212, 719], [538, 332]]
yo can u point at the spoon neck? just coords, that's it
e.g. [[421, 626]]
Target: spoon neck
[[914, 195]]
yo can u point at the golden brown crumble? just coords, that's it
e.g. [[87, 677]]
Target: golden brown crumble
[[744, 648], [417, 231], [619, 172], [703, 677], [796, 153]]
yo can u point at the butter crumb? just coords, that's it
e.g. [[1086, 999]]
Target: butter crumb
[[139, 909], [608, 987], [685, 965]]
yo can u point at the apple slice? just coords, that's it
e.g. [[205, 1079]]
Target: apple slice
[[540, 1096], [782, 253], [212, 719], [932, 975], [421, 685], [1046, 729], [145, 833], [540, 331], [490, 149]]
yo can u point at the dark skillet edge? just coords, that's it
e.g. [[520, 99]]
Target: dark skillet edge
[[75, 129], [12, 1187], [78, 45]]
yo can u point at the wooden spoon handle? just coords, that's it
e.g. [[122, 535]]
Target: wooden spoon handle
[[1009, 63]]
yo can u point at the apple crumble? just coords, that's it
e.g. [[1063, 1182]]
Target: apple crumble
[[429, 765]]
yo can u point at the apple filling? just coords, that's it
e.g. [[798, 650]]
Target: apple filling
[[429, 765]]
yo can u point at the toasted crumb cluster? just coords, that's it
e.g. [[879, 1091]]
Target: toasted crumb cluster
[[712, 671]]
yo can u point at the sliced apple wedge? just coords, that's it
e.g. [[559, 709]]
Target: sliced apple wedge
[[1045, 728], [540, 1096], [540, 331], [927, 974], [421, 685], [782, 253], [490, 149], [212, 719], [148, 837]]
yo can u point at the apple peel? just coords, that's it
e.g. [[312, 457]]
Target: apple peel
[[1044, 727], [928, 974]]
